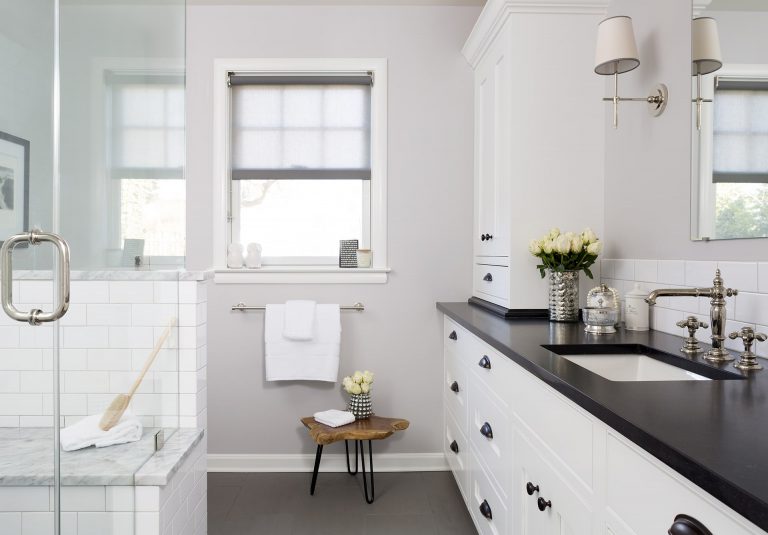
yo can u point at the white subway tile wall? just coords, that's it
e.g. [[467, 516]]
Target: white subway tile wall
[[748, 308], [180, 507], [106, 337]]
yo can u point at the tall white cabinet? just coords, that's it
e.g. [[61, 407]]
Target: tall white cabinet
[[538, 138]]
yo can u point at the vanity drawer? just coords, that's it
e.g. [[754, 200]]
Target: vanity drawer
[[456, 449], [493, 369], [657, 495], [455, 387], [456, 339], [483, 495], [492, 280], [490, 436]]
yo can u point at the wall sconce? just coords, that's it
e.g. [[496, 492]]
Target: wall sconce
[[616, 54], [706, 57]]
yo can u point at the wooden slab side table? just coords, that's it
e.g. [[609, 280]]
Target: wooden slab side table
[[373, 428]]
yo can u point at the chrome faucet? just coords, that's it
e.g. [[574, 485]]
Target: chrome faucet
[[717, 294]]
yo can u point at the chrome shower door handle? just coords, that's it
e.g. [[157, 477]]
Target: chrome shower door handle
[[34, 316]]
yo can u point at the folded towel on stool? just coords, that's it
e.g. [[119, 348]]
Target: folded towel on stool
[[87, 432], [334, 418]]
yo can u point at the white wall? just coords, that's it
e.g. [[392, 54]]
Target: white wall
[[430, 220], [647, 173]]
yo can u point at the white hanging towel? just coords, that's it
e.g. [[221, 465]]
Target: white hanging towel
[[308, 360], [299, 320], [87, 432]]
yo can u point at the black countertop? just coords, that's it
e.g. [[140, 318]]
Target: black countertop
[[714, 433]]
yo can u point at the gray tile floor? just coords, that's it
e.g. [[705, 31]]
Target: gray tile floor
[[410, 503]]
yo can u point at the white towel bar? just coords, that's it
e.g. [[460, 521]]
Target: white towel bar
[[358, 307]]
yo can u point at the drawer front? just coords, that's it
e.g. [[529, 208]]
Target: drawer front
[[455, 388], [456, 339], [483, 495], [565, 430], [489, 434], [491, 280], [493, 369], [644, 496], [456, 450]]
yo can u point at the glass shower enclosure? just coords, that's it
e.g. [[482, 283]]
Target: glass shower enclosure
[[92, 149]]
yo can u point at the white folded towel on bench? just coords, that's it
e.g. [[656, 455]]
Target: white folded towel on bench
[[87, 432], [334, 418]]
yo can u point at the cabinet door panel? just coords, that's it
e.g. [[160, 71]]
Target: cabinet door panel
[[564, 512], [456, 449], [492, 127]]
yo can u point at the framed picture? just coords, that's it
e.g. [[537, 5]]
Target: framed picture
[[14, 185]]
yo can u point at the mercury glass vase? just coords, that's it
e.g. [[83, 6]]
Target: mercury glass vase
[[564, 296], [360, 405]]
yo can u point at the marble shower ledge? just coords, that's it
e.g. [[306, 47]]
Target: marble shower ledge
[[26, 459], [118, 275]]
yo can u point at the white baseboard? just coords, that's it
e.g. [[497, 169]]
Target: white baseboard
[[331, 462]]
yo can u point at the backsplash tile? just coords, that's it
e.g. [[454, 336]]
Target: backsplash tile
[[748, 308]]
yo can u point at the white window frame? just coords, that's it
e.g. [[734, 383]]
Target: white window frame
[[271, 274]]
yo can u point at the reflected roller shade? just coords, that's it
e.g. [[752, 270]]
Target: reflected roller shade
[[146, 134], [301, 127], [740, 145]]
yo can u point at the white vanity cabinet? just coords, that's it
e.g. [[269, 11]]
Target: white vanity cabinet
[[590, 478], [539, 124]]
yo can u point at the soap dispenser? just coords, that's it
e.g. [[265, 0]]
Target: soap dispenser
[[602, 311], [636, 310]]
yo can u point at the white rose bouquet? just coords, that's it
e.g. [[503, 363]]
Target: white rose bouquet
[[358, 383], [566, 251]]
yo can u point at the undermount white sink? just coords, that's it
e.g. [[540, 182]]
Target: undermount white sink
[[632, 367]]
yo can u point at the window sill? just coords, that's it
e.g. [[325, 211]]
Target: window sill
[[302, 275]]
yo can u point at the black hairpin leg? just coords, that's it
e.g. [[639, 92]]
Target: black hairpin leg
[[346, 447], [317, 467], [365, 479]]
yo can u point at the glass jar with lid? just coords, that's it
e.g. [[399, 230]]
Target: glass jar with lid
[[602, 311]]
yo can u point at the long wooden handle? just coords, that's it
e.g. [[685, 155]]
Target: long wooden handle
[[152, 356]]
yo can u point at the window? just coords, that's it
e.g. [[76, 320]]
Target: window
[[146, 153], [740, 157], [304, 162]]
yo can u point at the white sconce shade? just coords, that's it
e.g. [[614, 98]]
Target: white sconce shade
[[705, 46], [616, 49]]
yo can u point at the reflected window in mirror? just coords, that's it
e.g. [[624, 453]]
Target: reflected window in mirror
[[729, 171]]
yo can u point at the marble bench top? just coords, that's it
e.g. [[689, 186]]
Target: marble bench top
[[26, 459]]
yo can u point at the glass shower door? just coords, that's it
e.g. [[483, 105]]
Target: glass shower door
[[34, 295]]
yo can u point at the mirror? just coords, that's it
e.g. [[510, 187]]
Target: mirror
[[729, 121]]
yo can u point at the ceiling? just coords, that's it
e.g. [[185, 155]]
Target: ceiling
[[340, 2]]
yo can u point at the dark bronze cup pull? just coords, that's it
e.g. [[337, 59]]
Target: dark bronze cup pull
[[486, 430], [454, 447], [488, 277], [530, 488], [452, 336], [485, 362], [687, 525], [455, 387], [485, 510], [543, 504]]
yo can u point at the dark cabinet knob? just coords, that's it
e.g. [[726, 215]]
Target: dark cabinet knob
[[687, 525], [482, 237], [485, 510], [486, 430], [488, 277], [488, 237], [453, 336], [543, 504], [454, 447], [455, 387], [530, 488], [485, 362]]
